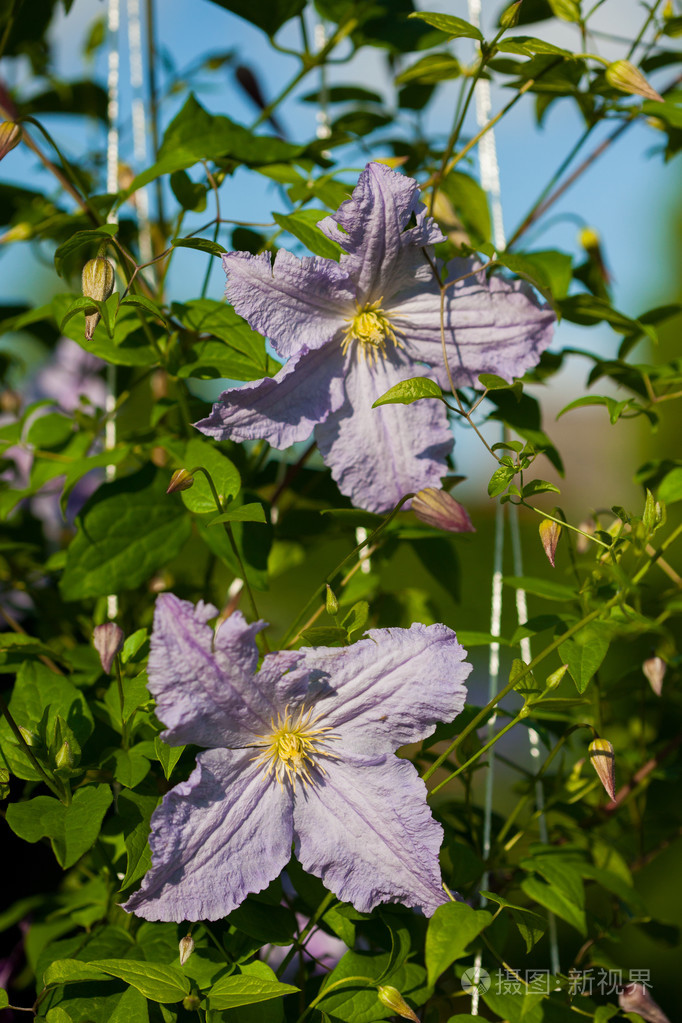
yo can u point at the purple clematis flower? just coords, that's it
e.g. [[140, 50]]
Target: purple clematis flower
[[300, 751], [353, 329]]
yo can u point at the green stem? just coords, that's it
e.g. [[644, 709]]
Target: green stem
[[121, 700], [484, 749], [643, 29], [51, 784], [319, 912], [562, 522]]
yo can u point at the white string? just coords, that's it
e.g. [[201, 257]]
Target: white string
[[139, 125], [113, 20]]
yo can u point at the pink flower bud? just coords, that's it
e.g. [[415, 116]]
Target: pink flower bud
[[437, 508], [181, 479], [393, 1000], [654, 669], [636, 998], [603, 761], [550, 532], [108, 641], [625, 77], [10, 136], [186, 947]]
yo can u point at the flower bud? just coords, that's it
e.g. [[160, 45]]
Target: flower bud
[[186, 947], [553, 680], [550, 532], [393, 1000], [510, 16], [603, 761], [654, 669], [98, 283], [29, 737], [181, 479], [108, 641], [636, 998], [437, 508], [191, 1002], [625, 77], [591, 242], [331, 602], [10, 136], [64, 756]]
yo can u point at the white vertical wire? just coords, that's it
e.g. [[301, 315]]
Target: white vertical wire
[[113, 20], [139, 126]]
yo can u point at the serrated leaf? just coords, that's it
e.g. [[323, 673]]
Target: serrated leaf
[[407, 391]]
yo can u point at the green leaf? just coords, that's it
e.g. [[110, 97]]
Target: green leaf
[[567, 10], [82, 466], [540, 587], [430, 70], [81, 238], [410, 390], [85, 305], [325, 635], [531, 926], [132, 1008], [451, 929], [128, 766], [129, 345], [4, 1000], [455, 27], [191, 195], [670, 487], [356, 619], [588, 310], [356, 1001], [199, 498], [470, 203], [203, 244], [500, 480], [38, 690], [67, 971], [238, 354], [539, 487], [72, 829], [556, 902], [615, 408], [269, 16], [18, 646], [303, 225], [158, 983], [240, 989], [168, 755], [145, 303], [242, 513], [528, 45], [127, 530], [135, 811], [584, 652]]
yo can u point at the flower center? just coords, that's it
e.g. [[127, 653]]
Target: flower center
[[293, 747], [371, 328]]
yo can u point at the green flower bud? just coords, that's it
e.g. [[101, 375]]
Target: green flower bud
[[64, 757], [332, 603], [625, 77], [393, 1000], [98, 283], [29, 737], [10, 136], [181, 479], [191, 1002], [510, 17], [553, 680]]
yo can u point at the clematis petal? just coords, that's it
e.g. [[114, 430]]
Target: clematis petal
[[391, 688], [365, 828], [203, 681], [294, 302], [281, 409], [378, 455], [371, 226], [492, 325], [220, 835]]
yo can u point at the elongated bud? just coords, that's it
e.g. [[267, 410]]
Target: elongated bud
[[108, 641], [181, 479], [437, 508], [98, 283], [29, 737], [636, 998], [331, 602], [393, 1000], [591, 242], [186, 948], [553, 680], [10, 136], [64, 756], [654, 669], [668, 10], [509, 17], [625, 77], [549, 534], [603, 760]]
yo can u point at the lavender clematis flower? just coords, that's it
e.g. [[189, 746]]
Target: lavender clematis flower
[[353, 329], [300, 751]]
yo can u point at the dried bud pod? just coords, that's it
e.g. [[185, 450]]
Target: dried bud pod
[[393, 1000], [10, 136], [98, 283], [181, 479], [331, 602], [625, 77], [550, 532], [108, 641], [186, 947], [603, 760], [654, 669], [437, 508], [636, 998], [64, 756]]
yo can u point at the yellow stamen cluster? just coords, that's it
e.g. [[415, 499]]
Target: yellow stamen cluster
[[371, 328], [293, 747]]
